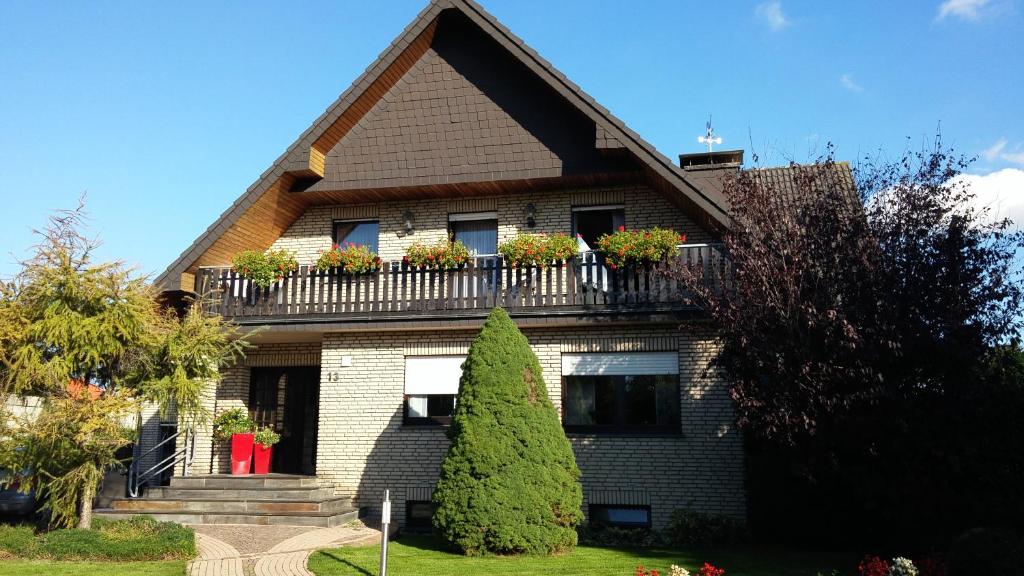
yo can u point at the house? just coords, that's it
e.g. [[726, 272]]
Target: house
[[460, 129]]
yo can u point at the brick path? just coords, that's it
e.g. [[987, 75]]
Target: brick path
[[286, 558]]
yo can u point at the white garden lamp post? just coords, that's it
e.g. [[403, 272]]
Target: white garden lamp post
[[385, 520]]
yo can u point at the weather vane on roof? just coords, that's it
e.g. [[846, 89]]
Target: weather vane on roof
[[709, 137]]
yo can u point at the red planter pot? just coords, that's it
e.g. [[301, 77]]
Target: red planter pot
[[261, 459], [241, 453]]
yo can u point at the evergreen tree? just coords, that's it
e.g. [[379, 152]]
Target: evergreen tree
[[509, 482], [92, 340]]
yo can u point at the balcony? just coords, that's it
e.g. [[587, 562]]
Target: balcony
[[583, 285]]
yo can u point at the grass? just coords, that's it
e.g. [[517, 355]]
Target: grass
[[57, 568], [426, 556], [131, 540]]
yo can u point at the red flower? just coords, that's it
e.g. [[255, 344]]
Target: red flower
[[682, 238], [622, 228], [873, 566], [709, 570]]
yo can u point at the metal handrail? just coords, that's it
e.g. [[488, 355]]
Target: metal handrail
[[139, 479]]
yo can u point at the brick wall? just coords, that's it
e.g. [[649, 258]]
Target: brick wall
[[644, 208], [363, 446]]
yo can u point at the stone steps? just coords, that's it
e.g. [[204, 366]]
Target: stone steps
[[318, 519], [334, 504], [274, 499], [167, 493]]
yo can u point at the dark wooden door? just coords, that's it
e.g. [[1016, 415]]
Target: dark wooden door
[[287, 400]]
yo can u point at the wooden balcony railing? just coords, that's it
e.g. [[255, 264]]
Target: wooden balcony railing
[[583, 282]]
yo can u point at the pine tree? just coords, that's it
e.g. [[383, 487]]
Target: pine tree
[[509, 482]]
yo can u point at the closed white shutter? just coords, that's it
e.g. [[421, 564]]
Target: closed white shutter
[[433, 374], [624, 364]]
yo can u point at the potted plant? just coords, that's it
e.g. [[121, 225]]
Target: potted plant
[[264, 268], [538, 250], [349, 258], [638, 247], [444, 255], [236, 425], [265, 439]]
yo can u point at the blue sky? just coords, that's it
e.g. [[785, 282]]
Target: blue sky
[[164, 112]]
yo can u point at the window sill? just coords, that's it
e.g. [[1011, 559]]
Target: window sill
[[424, 425], [623, 434]]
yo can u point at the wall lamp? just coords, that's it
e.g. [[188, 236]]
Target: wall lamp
[[531, 215], [408, 220]]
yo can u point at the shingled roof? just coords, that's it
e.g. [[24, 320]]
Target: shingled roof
[[273, 202], [784, 180]]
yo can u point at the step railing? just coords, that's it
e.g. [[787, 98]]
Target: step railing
[[139, 478], [584, 280]]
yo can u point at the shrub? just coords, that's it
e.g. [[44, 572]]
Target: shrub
[[17, 542], [637, 247], [641, 571], [444, 255], [350, 258], [134, 539], [674, 570], [264, 268], [538, 249], [690, 529], [986, 552], [509, 482], [266, 437], [616, 537], [233, 421]]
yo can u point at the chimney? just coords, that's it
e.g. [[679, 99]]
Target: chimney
[[719, 160]]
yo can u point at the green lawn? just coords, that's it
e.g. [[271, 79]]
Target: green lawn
[[54, 568], [425, 556]]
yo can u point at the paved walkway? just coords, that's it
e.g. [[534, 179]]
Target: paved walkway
[[287, 557]]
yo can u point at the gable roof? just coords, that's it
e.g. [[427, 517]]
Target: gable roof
[[269, 206], [792, 184]]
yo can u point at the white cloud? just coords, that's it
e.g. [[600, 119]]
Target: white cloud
[[998, 151], [963, 9], [847, 81], [1002, 192], [772, 15]]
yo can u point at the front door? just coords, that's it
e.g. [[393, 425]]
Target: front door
[[287, 400]]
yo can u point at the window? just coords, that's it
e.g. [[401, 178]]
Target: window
[[620, 516], [636, 392], [477, 230], [591, 222], [431, 384], [418, 515], [359, 233]]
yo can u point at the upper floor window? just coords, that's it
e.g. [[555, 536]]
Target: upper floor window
[[431, 384], [591, 222], [477, 230], [636, 392], [361, 233]]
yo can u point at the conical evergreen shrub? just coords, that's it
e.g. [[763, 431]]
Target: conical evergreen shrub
[[509, 482]]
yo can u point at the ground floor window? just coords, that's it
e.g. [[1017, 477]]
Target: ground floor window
[[418, 514], [620, 516], [636, 392], [431, 384]]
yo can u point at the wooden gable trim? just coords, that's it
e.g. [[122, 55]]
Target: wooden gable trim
[[268, 208]]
